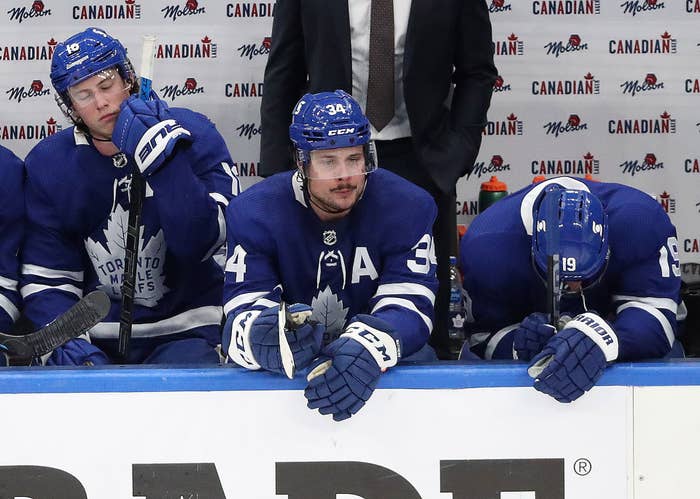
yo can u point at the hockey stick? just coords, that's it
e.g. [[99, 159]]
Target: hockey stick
[[90, 310], [285, 351], [553, 289], [137, 192]]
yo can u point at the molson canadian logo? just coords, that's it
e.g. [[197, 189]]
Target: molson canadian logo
[[250, 50], [573, 44], [510, 126], [500, 85], [588, 85], [20, 14], [189, 87], [250, 9], [28, 52], [499, 6], [664, 44], [495, 165], [246, 168], [692, 86], [566, 7], [692, 6], [511, 46], [667, 202], [203, 49], [649, 163], [243, 89], [29, 132], [174, 12], [634, 7], [572, 124], [587, 165], [663, 124], [650, 83], [35, 89], [127, 10]]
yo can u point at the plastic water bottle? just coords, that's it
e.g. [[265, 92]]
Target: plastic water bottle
[[457, 313], [490, 192]]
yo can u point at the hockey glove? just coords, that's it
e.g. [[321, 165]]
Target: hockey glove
[[343, 378], [574, 359], [4, 358], [531, 336], [253, 338], [77, 352], [147, 131]]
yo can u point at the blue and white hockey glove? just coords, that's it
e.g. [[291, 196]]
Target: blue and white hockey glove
[[147, 131], [574, 359], [343, 378], [252, 338], [531, 336], [77, 352]]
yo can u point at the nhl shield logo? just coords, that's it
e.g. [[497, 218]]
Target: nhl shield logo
[[119, 160], [329, 237]]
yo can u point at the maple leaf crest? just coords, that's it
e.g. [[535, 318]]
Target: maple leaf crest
[[108, 260], [329, 311]]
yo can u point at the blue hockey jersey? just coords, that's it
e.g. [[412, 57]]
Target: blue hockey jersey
[[12, 230], [377, 260], [638, 294], [78, 209]]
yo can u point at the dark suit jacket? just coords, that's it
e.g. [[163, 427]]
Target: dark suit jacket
[[447, 41]]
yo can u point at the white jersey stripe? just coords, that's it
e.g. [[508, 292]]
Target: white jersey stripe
[[30, 289], [37, 270], [9, 307], [222, 234], [385, 302], [243, 299], [197, 317], [665, 324], [7, 283], [496, 339], [406, 288], [664, 303]]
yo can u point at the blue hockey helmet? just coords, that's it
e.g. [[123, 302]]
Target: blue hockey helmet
[[330, 120], [83, 55], [573, 224]]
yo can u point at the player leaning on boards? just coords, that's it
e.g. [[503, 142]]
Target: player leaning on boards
[[333, 239], [77, 208], [619, 281]]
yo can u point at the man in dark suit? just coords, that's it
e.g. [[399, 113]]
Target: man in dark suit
[[442, 74]]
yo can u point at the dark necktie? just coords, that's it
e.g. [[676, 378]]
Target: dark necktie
[[380, 85]]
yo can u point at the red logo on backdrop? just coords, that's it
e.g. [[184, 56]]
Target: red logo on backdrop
[[38, 6], [191, 4], [650, 79], [651, 2], [574, 120], [190, 84], [497, 160], [130, 2], [498, 3], [650, 159], [267, 42], [37, 86], [575, 40], [499, 82]]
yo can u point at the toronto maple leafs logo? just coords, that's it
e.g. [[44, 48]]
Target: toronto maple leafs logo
[[328, 310], [108, 260]]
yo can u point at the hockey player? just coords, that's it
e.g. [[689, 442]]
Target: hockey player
[[12, 230], [77, 203], [619, 274], [334, 240]]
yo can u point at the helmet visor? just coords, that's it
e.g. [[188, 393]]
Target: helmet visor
[[107, 83]]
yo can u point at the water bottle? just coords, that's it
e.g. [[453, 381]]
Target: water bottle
[[457, 314], [490, 192]]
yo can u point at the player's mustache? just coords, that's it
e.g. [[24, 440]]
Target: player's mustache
[[342, 187]]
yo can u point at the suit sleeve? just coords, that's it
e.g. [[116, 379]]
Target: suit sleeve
[[192, 192], [405, 296], [647, 292], [12, 230], [284, 82], [455, 150]]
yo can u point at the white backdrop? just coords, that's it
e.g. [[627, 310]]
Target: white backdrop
[[603, 87]]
